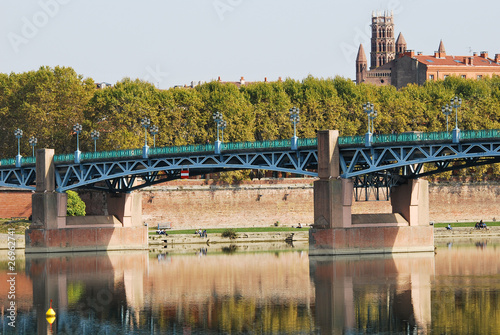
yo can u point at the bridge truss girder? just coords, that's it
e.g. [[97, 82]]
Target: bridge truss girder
[[408, 160], [23, 177], [119, 176]]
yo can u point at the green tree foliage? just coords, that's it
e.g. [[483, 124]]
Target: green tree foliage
[[76, 206], [46, 103]]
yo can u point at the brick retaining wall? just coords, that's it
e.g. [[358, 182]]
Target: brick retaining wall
[[193, 203]]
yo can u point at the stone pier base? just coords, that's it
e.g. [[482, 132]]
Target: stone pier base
[[52, 231], [336, 231], [370, 240], [86, 239]]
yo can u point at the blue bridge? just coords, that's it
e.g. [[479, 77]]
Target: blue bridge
[[386, 161]]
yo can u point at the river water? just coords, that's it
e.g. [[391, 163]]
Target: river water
[[454, 291]]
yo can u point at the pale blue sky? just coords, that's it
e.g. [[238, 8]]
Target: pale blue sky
[[172, 42]]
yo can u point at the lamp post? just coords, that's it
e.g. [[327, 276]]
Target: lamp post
[[455, 103], [368, 109], [294, 118], [372, 117], [145, 122], [33, 141], [94, 134], [77, 128], [446, 111], [154, 131], [223, 125], [18, 133], [218, 119]]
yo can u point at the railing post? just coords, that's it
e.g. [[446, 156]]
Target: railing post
[[217, 147], [295, 140], [456, 135], [145, 151], [78, 154], [368, 139], [18, 160]]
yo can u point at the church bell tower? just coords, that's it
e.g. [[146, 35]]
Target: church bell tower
[[383, 44]]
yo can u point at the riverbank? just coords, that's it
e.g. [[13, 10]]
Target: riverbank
[[466, 232], [262, 241]]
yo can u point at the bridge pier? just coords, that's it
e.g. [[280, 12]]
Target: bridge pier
[[337, 231], [52, 231]]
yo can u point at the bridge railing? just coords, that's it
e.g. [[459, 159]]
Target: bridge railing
[[269, 144], [397, 138], [479, 134]]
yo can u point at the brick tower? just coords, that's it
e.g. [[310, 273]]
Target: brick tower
[[401, 45], [383, 44], [361, 65]]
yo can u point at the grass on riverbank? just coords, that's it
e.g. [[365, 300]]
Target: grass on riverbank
[[464, 224], [290, 229], [19, 226], [236, 230]]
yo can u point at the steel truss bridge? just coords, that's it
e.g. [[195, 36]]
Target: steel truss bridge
[[389, 160]]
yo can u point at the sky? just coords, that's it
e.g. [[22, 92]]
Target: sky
[[175, 42]]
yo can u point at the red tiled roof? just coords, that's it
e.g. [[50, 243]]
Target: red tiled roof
[[455, 61]]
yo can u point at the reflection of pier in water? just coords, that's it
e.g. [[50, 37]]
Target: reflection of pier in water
[[373, 293], [120, 292], [132, 291]]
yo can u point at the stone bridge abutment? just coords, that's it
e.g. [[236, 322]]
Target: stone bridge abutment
[[52, 231], [337, 231]]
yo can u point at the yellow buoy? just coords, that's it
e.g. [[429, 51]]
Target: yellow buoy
[[51, 319], [50, 312]]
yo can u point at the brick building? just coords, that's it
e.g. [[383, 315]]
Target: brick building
[[393, 64]]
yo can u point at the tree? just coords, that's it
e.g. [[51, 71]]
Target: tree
[[75, 206]]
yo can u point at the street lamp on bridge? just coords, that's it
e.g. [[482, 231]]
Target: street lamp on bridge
[[145, 123], [447, 110], [33, 141], [294, 118], [372, 117], [223, 125], [371, 114], [218, 118], [77, 128], [94, 134], [154, 131], [456, 103], [18, 133]]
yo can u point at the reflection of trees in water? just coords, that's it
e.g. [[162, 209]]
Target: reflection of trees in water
[[236, 314], [460, 308], [383, 309], [97, 307]]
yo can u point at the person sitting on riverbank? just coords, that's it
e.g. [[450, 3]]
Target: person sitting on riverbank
[[480, 225], [161, 232], [449, 227]]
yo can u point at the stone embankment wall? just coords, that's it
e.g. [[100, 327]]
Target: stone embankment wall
[[193, 203]]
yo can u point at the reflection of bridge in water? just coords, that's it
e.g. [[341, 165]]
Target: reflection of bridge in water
[[289, 292]]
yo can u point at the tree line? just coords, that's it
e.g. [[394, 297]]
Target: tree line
[[47, 103]]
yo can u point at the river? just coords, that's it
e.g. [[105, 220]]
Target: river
[[455, 290]]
